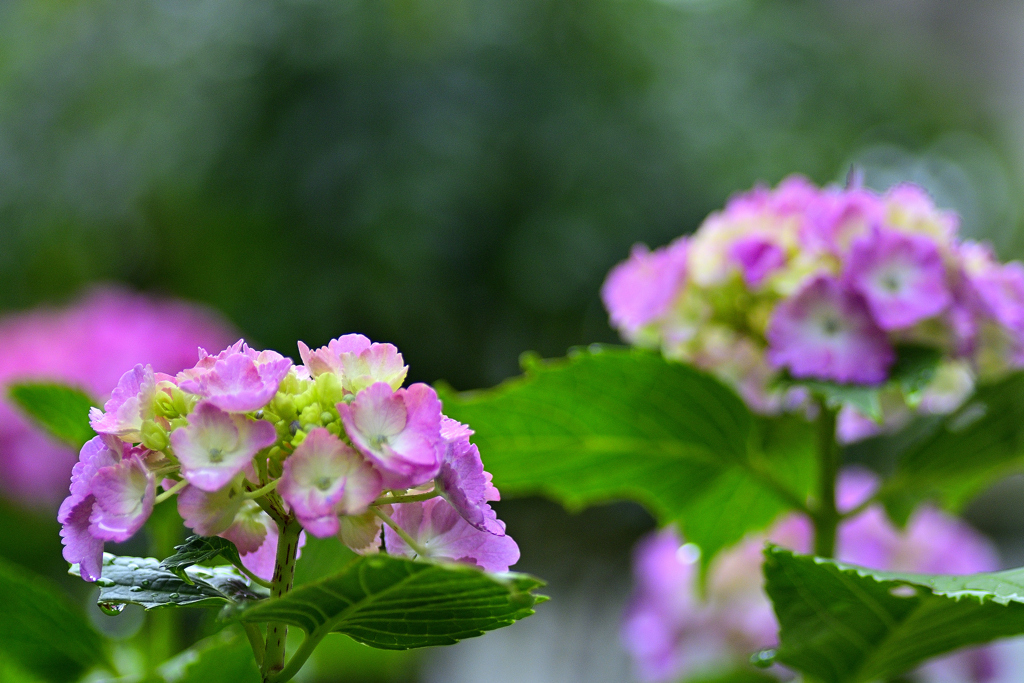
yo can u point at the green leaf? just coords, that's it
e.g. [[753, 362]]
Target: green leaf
[[846, 624], [226, 657], [142, 581], [628, 424], [198, 549], [951, 459], [398, 604], [61, 410], [41, 633]]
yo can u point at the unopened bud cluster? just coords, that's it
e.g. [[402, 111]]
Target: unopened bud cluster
[[335, 443]]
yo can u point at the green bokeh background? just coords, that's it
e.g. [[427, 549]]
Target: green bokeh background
[[452, 176]]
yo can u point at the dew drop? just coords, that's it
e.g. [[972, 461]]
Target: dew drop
[[104, 583], [135, 589], [144, 583], [903, 591], [174, 596], [763, 659], [111, 609], [133, 567], [688, 553]]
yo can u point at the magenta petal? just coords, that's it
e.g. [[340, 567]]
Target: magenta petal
[[464, 483], [642, 288], [399, 431], [209, 514], [216, 445], [324, 478], [81, 547], [826, 332], [239, 379], [130, 403], [901, 276], [124, 499], [444, 534]]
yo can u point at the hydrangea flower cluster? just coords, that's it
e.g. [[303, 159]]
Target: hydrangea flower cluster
[[672, 631], [336, 443], [825, 284], [87, 344]]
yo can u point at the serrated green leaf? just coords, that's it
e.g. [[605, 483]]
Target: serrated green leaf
[[142, 581], [846, 624], [41, 633], [628, 424], [198, 549], [61, 410], [398, 604], [951, 459]]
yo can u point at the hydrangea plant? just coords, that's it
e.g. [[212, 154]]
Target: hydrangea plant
[[798, 328], [258, 452]]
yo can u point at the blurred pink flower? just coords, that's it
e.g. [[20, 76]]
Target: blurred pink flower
[[88, 344]]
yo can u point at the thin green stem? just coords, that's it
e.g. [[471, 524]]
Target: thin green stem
[[826, 517], [262, 491], [252, 577], [420, 550], [284, 571], [411, 498], [252, 632], [170, 492]]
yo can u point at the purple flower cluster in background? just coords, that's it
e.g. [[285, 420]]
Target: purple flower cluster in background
[[337, 438], [825, 284], [87, 344], [673, 632]]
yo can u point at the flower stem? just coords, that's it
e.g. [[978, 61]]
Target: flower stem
[[284, 570], [252, 495], [417, 548], [826, 517], [170, 492], [411, 498]]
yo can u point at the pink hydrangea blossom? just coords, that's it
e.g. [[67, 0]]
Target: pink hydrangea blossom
[[641, 289], [439, 529], [238, 379], [673, 631], [216, 445], [210, 513], [399, 431], [838, 216], [124, 499], [89, 344], [463, 481], [324, 478], [130, 404], [902, 277], [827, 332], [358, 361]]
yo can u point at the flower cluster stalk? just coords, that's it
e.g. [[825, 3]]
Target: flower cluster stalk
[[284, 572], [826, 517]]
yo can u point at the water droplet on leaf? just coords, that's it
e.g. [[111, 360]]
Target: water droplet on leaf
[[763, 659], [174, 596], [133, 566], [144, 583], [111, 609], [104, 583]]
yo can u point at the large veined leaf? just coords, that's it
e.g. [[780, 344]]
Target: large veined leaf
[[61, 410], [224, 657], [951, 459], [627, 424], [399, 604], [42, 634], [846, 624], [143, 581]]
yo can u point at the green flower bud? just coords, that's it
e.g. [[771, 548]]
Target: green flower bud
[[153, 436]]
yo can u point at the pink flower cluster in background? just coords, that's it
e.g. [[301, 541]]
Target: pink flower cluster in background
[[338, 439], [825, 284], [87, 344], [672, 632]]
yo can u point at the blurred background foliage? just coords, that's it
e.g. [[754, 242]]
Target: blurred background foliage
[[456, 177]]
